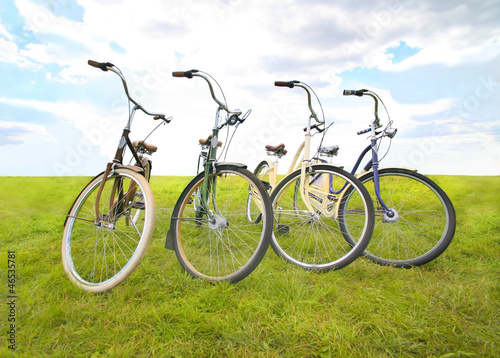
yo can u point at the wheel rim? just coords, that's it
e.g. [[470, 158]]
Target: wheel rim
[[225, 247], [422, 225], [314, 239], [98, 254]]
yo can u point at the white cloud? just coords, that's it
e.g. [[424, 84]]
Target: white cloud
[[226, 36], [9, 53], [246, 46], [94, 124], [5, 33], [15, 133]]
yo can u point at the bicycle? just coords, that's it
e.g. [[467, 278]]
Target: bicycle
[[110, 224], [310, 217], [415, 218], [209, 231]]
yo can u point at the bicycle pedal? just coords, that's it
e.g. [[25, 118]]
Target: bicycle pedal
[[266, 184], [283, 229], [138, 205], [333, 198], [190, 201]]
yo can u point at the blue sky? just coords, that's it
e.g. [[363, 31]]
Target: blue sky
[[435, 64]]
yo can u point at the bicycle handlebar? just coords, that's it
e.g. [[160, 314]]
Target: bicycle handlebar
[[105, 66], [289, 84], [102, 65], [195, 73], [187, 74], [292, 84], [364, 92], [358, 93]]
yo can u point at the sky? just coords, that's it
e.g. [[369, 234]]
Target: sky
[[434, 64]]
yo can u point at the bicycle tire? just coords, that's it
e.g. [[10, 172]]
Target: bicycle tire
[[98, 258], [230, 247], [314, 241], [262, 173], [420, 234]]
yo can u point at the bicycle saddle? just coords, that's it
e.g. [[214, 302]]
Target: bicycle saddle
[[151, 147], [280, 148], [206, 141]]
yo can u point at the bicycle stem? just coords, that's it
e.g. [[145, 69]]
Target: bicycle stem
[[377, 119]]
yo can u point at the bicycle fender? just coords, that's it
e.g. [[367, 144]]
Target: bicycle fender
[[371, 171], [169, 242], [81, 191], [131, 167], [239, 165]]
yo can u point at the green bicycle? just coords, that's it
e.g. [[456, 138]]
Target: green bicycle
[[209, 230]]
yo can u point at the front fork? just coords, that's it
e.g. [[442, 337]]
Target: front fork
[[209, 186], [119, 198], [374, 165]]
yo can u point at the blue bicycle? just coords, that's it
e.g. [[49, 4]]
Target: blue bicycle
[[415, 219]]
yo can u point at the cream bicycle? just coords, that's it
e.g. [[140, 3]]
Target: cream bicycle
[[311, 218]]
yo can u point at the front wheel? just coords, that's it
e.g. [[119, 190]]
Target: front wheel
[[99, 253], [309, 216], [423, 226], [213, 238]]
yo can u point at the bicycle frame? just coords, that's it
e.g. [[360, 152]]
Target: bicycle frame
[[308, 191], [210, 160], [120, 152], [209, 166], [373, 163]]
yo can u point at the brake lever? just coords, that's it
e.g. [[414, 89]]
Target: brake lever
[[166, 120], [245, 116]]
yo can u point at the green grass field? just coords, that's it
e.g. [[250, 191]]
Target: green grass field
[[447, 308]]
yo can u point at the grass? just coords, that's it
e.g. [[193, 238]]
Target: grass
[[447, 308]]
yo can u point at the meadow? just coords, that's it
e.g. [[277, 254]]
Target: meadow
[[447, 308]]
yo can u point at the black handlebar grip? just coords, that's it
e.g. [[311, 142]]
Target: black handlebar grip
[[289, 84], [353, 93], [102, 65]]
